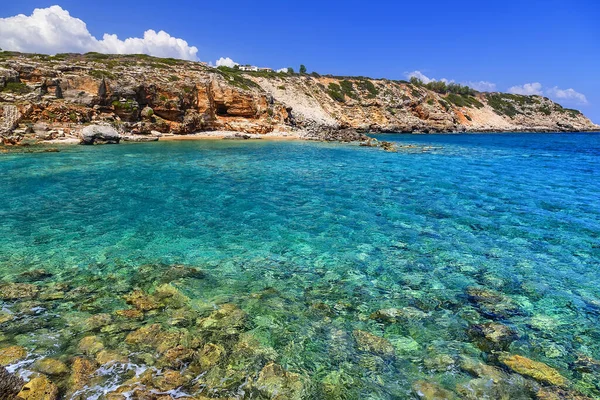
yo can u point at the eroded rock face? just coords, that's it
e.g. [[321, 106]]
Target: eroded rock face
[[140, 97]]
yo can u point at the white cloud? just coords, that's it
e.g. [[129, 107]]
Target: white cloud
[[527, 89], [482, 86], [53, 30], [285, 70], [226, 62], [419, 75], [567, 94]]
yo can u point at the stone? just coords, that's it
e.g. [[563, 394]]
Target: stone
[[110, 357], [555, 393], [228, 319], [96, 322], [278, 384], [34, 275], [176, 272], [492, 304], [131, 313], [50, 366], [12, 354], [39, 388], [82, 371], [492, 336], [10, 384], [168, 380], [366, 341], [210, 355], [393, 315], [90, 345], [534, 369], [431, 391], [141, 301], [18, 291], [99, 134], [482, 370]]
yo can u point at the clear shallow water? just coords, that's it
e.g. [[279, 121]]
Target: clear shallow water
[[333, 233]]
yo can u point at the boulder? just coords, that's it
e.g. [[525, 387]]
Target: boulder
[[12, 354], [39, 389], [368, 342], [50, 366], [99, 134], [492, 336], [534, 369]]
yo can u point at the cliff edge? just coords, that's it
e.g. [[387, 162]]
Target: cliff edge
[[55, 97]]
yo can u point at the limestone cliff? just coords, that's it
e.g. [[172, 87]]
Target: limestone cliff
[[49, 97]]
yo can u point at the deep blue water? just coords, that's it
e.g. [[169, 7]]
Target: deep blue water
[[348, 228]]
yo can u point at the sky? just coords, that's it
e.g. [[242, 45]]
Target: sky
[[548, 47]]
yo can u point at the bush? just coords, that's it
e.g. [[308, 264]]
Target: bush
[[368, 86], [17, 87], [335, 91], [348, 89]]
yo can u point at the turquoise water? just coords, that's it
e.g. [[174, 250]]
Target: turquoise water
[[310, 239]]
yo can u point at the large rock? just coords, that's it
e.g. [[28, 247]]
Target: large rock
[[39, 389], [100, 134], [12, 354], [534, 369]]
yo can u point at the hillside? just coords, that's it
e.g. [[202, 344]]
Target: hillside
[[55, 97]]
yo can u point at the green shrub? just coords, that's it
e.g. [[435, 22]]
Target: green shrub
[[348, 89], [368, 86], [335, 91], [17, 87], [463, 100], [100, 74]]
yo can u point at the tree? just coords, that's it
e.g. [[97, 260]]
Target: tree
[[302, 69], [290, 70]]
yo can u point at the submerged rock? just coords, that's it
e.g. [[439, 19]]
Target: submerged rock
[[82, 371], [393, 315], [492, 304], [534, 369], [12, 354], [228, 319], [492, 336], [131, 313], [39, 388], [210, 355], [366, 341], [10, 384], [432, 391], [141, 301], [50, 366], [18, 291], [96, 322], [90, 345], [278, 384], [34, 275]]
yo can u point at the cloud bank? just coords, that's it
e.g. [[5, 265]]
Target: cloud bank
[[569, 95], [53, 30], [482, 86], [226, 62], [527, 89]]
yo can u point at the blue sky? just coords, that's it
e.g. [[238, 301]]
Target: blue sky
[[551, 45]]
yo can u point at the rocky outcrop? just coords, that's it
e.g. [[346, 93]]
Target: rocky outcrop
[[99, 134], [141, 96]]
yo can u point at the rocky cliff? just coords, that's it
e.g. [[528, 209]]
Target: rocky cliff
[[53, 97]]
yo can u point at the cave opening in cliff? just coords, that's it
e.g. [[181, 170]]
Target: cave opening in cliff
[[221, 109]]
